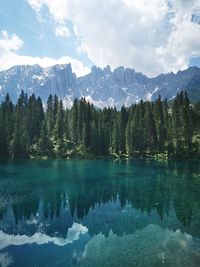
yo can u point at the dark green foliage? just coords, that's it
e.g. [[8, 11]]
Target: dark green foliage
[[74, 122], [150, 134], [50, 116], [116, 137], [59, 122], [83, 131], [44, 143], [158, 112], [123, 117], [182, 121], [35, 117], [3, 139]]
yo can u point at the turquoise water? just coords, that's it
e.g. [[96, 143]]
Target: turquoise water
[[99, 213]]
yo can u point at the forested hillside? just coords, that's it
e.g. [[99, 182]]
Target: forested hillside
[[146, 128]]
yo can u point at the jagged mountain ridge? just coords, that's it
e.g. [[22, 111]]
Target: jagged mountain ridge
[[103, 87]]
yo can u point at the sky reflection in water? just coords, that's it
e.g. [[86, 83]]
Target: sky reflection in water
[[99, 213]]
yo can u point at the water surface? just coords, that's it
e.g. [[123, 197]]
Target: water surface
[[99, 213]]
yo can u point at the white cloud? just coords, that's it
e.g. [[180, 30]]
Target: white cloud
[[182, 44], [40, 238], [57, 9], [150, 246], [5, 259], [9, 57], [150, 36], [12, 43], [62, 31]]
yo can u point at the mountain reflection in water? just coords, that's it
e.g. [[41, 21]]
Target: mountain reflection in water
[[74, 213]]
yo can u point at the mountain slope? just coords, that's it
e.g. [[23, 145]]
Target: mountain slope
[[103, 87]]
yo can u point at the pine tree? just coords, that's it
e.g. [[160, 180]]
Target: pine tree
[[94, 138], [55, 107], [39, 113], [33, 120], [187, 121], [67, 125], [8, 117], [59, 129], [103, 146], [149, 130], [159, 122], [25, 129], [44, 144], [182, 119], [115, 137], [59, 125], [3, 139], [176, 124], [50, 116], [122, 129], [129, 138], [137, 129], [74, 124], [19, 143], [83, 143], [20, 140]]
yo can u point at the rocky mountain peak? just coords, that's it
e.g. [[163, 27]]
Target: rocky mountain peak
[[102, 86]]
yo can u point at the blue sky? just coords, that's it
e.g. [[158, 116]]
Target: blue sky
[[39, 38], [149, 36]]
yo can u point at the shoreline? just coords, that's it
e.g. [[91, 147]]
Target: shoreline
[[159, 157]]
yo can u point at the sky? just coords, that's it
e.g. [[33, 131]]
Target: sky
[[153, 37]]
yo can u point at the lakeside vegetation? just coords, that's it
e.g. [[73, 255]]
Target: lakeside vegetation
[[144, 129]]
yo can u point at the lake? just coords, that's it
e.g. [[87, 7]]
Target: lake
[[99, 213]]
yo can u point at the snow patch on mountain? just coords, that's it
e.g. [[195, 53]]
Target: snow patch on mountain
[[102, 87]]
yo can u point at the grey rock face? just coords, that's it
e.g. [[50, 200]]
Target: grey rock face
[[103, 87]]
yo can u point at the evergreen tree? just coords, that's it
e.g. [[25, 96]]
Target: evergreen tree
[[44, 144], [74, 119], [50, 116], [115, 137], [137, 129], [8, 117], [59, 129], [122, 129], [3, 139], [26, 130], [19, 143], [55, 107], [176, 124], [94, 138], [159, 121], [67, 124], [59, 125], [129, 138], [149, 130], [187, 120]]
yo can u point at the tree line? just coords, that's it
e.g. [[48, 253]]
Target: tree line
[[28, 129]]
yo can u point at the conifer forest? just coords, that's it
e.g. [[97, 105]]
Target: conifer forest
[[160, 128]]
